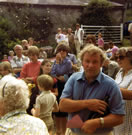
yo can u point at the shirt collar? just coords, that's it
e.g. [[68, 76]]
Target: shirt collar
[[13, 113], [21, 57], [45, 92], [82, 77]]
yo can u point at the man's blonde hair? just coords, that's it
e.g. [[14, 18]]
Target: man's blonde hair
[[92, 50], [45, 81]]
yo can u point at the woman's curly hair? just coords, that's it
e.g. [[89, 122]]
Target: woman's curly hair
[[14, 93]]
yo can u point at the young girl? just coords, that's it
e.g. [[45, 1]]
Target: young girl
[[30, 72], [46, 69], [6, 69], [46, 102], [100, 41]]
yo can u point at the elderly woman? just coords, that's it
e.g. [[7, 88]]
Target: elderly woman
[[124, 80], [14, 99]]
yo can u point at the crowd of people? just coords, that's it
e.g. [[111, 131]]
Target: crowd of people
[[90, 80]]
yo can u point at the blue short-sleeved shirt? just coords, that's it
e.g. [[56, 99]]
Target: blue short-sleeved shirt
[[78, 88]]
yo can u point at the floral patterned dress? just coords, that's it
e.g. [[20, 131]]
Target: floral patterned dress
[[20, 123]]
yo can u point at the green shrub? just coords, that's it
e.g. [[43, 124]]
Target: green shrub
[[125, 42], [21, 22], [128, 15], [96, 13]]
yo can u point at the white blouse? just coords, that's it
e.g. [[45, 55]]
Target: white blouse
[[125, 82]]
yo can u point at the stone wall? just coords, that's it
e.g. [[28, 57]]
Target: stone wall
[[63, 17], [66, 16]]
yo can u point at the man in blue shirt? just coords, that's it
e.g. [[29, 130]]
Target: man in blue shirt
[[84, 93]]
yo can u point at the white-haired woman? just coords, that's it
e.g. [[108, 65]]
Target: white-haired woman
[[14, 100]]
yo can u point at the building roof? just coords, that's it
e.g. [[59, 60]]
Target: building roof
[[56, 2]]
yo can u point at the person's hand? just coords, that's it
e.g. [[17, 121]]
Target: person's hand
[[90, 126], [29, 79], [58, 58], [61, 78], [59, 36], [25, 80], [32, 111], [96, 105]]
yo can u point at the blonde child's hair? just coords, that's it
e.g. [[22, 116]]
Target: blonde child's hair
[[6, 66], [45, 81], [33, 50]]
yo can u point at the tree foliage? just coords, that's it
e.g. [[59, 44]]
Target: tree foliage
[[96, 13], [28, 22], [21, 22], [128, 15]]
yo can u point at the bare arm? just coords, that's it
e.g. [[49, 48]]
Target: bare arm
[[69, 105], [75, 67], [28, 79], [127, 94], [61, 78], [55, 92], [55, 107], [35, 112], [110, 120]]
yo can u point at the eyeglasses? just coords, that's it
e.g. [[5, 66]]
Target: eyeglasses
[[119, 57]]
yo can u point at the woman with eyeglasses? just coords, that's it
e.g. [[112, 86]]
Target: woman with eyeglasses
[[61, 70], [124, 80], [14, 100]]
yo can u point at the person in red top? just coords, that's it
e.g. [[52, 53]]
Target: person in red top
[[30, 72]]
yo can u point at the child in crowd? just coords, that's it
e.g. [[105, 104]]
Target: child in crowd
[[6, 69], [46, 66], [30, 72], [30, 41], [46, 102], [5, 58], [42, 54], [11, 55], [100, 41], [25, 47], [25, 44]]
